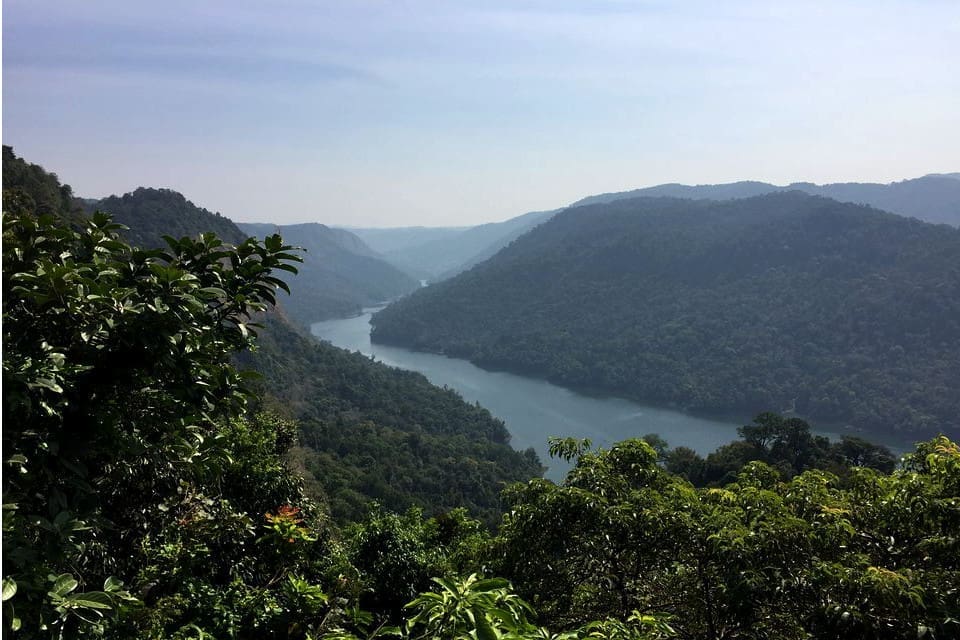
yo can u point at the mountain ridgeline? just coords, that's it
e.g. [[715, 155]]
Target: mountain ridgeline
[[339, 275], [440, 253], [932, 198], [437, 254], [138, 457], [368, 431], [841, 313], [149, 214]]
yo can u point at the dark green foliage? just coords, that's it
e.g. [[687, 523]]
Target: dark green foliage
[[785, 444], [340, 275], [762, 557], [143, 498], [150, 214], [27, 187], [370, 431], [840, 312], [122, 419]]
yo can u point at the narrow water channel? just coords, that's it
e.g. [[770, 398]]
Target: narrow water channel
[[533, 409]]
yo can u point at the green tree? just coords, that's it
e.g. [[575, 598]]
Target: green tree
[[117, 383]]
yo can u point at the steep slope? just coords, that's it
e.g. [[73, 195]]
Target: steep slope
[[373, 432], [29, 185], [368, 431], [151, 214], [841, 312], [933, 198], [340, 274]]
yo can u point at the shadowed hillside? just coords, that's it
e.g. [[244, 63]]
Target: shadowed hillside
[[842, 313]]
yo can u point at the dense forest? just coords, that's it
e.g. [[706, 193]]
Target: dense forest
[[339, 275], [838, 312], [349, 408], [151, 486], [151, 214], [372, 432]]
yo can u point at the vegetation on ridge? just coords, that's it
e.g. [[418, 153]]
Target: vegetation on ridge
[[841, 313], [145, 497]]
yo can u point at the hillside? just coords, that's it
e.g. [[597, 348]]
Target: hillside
[[437, 254], [34, 188], [340, 274], [369, 432], [933, 198], [139, 459], [151, 214], [372, 432], [845, 314]]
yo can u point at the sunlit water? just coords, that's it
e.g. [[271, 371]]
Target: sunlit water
[[533, 409]]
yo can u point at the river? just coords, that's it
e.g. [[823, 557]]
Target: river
[[533, 409]]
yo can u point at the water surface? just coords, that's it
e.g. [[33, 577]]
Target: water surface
[[533, 409]]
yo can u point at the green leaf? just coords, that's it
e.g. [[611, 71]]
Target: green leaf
[[112, 584], [485, 630], [92, 600], [9, 588], [64, 584]]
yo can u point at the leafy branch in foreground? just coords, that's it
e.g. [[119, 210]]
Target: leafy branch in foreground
[[116, 381]]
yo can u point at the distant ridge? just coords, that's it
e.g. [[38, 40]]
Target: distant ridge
[[932, 198], [439, 253], [340, 274]]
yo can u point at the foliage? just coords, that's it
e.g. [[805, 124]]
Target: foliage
[[369, 431], [27, 187], [839, 312], [144, 497], [117, 381], [785, 444], [761, 557], [151, 214]]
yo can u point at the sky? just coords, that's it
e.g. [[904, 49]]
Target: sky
[[449, 113]]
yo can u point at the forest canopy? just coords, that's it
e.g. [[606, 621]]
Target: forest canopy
[[839, 313]]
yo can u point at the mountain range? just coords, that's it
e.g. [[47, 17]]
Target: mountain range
[[839, 312], [339, 275], [932, 198], [439, 253]]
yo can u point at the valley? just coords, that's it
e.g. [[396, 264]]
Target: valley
[[534, 409]]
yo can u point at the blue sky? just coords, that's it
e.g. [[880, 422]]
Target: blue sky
[[450, 113]]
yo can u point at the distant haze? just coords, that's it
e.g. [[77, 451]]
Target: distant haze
[[451, 113]]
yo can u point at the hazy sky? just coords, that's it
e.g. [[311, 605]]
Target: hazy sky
[[449, 113]]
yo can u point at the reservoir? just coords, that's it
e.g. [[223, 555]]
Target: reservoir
[[534, 409]]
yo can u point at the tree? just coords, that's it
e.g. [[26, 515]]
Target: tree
[[117, 385]]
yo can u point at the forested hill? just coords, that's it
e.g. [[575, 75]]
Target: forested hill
[[151, 214], [373, 432], [340, 274], [840, 312], [369, 432], [37, 189], [933, 198]]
